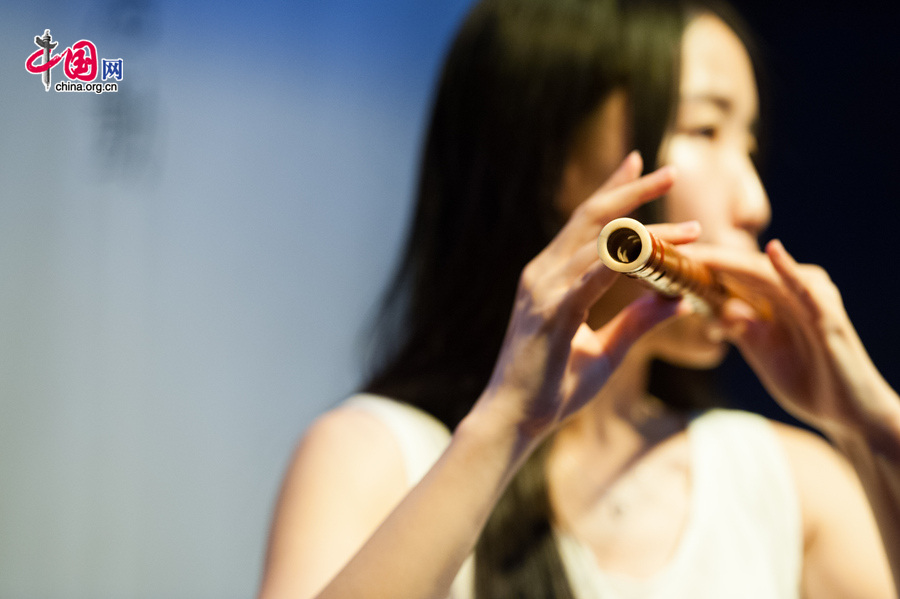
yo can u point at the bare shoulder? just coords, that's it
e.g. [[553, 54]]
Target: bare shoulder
[[345, 477], [843, 553], [355, 440], [820, 472], [805, 450], [345, 450]]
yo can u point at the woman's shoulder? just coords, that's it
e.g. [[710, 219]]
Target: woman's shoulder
[[350, 444], [815, 463], [401, 418], [820, 471], [374, 433], [830, 494], [803, 444], [346, 475], [836, 516]]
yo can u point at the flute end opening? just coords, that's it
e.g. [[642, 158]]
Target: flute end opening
[[624, 245]]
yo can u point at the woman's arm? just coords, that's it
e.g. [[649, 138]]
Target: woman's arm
[[347, 477], [418, 550], [875, 456], [843, 556], [550, 364]]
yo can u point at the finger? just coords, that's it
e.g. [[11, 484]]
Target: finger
[[628, 171], [759, 338], [738, 319], [588, 279], [597, 354], [730, 259], [601, 208], [585, 224], [619, 334], [677, 233], [780, 353], [751, 270], [789, 271], [626, 198], [594, 281], [750, 333]]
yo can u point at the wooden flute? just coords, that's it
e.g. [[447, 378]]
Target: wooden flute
[[626, 246]]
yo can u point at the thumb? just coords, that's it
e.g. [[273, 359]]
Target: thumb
[[609, 345], [619, 334]]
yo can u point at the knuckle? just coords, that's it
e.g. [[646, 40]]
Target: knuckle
[[530, 276], [821, 284], [817, 274], [594, 208]]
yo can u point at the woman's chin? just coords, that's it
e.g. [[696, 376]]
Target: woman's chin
[[691, 341]]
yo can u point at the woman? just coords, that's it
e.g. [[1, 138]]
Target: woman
[[564, 473]]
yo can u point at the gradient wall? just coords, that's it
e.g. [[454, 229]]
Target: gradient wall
[[185, 267]]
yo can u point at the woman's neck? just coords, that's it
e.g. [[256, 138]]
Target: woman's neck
[[624, 417], [593, 459]]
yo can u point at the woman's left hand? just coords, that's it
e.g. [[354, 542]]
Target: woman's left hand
[[807, 354]]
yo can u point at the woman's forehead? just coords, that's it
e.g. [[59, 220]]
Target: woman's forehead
[[716, 67]]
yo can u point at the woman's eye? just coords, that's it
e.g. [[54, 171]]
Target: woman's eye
[[707, 132]]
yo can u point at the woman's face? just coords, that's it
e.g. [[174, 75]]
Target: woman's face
[[710, 145], [713, 139]]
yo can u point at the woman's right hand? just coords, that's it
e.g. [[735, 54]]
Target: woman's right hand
[[551, 362]]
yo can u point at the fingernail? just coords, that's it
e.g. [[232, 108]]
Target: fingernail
[[633, 157], [690, 226], [738, 309], [667, 171]]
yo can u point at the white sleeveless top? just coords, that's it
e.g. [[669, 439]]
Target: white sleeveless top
[[743, 536]]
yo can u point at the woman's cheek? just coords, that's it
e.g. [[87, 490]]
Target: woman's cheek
[[698, 192], [692, 179]]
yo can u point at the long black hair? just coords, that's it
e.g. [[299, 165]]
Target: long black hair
[[519, 81], [521, 78]]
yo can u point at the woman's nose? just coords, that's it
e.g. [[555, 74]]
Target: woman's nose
[[752, 211]]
